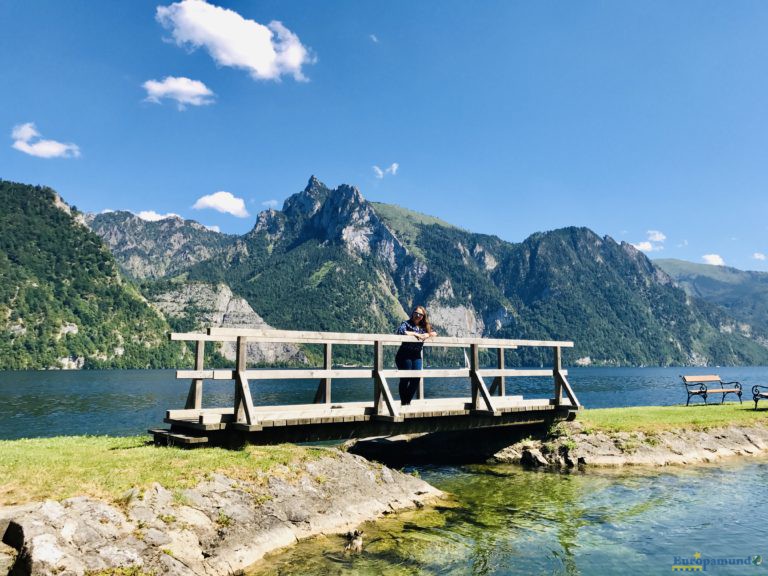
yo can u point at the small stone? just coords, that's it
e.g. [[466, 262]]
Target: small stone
[[533, 457], [155, 537]]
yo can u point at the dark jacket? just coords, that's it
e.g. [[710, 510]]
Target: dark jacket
[[410, 349]]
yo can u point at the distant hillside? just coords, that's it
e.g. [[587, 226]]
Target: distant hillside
[[743, 294], [62, 300], [146, 249]]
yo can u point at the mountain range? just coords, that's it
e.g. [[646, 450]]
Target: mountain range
[[331, 260]]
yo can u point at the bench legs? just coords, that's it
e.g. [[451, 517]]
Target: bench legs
[[726, 393], [704, 396]]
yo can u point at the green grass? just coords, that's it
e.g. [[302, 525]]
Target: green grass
[[652, 419], [106, 467]]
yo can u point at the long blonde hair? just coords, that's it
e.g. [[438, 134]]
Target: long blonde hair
[[424, 324]]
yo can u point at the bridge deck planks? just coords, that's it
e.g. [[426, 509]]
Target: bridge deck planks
[[303, 414]]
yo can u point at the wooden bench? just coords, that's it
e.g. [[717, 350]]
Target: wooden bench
[[699, 385], [759, 392]]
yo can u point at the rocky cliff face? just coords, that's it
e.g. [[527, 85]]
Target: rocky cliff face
[[215, 306]]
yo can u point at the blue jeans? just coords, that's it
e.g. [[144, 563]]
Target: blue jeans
[[408, 386]]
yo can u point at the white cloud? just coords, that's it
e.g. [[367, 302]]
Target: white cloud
[[380, 173], [270, 204], [654, 242], [374, 38], [266, 52], [27, 139], [183, 90], [213, 228], [223, 202], [758, 256], [644, 246], [713, 259], [152, 216]]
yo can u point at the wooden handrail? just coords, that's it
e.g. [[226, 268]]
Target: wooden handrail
[[384, 404], [301, 337]]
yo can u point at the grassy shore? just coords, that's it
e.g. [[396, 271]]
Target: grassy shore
[[653, 419], [107, 467]]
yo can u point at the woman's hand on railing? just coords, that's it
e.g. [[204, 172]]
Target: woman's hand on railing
[[425, 336]]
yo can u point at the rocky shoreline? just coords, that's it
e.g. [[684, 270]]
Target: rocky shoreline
[[220, 527], [225, 524], [570, 445]]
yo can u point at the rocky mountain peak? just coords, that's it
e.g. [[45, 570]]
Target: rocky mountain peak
[[314, 183], [338, 215], [269, 222], [305, 204]]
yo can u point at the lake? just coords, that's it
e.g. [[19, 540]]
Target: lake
[[127, 402], [505, 520]]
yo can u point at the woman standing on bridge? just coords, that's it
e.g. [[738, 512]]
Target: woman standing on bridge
[[409, 354]]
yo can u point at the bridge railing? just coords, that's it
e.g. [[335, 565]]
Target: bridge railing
[[384, 405]]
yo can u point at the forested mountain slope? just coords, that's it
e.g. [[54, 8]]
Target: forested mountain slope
[[63, 302]]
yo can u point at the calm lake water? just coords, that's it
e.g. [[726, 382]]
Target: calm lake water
[[504, 520], [127, 402]]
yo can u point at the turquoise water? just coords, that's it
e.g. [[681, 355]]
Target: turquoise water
[[510, 521]]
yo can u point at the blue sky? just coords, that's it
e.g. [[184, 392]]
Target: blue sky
[[646, 121]]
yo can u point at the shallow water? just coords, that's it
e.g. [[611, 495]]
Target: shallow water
[[510, 521]]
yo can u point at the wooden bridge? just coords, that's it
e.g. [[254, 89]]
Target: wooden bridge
[[382, 415]]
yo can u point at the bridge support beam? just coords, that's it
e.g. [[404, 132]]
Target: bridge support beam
[[323, 394], [195, 395], [383, 403], [244, 413], [561, 382], [481, 398]]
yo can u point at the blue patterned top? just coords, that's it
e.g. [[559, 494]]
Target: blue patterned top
[[411, 349]]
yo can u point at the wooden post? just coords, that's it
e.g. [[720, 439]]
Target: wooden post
[[323, 394], [561, 382], [383, 403], [557, 362], [502, 381], [378, 366], [420, 394], [195, 395], [243, 400], [481, 398], [474, 363], [499, 382]]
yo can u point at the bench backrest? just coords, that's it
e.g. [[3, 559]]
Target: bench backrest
[[701, 378]]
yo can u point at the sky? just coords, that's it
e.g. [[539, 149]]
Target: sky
[[645, 121]]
